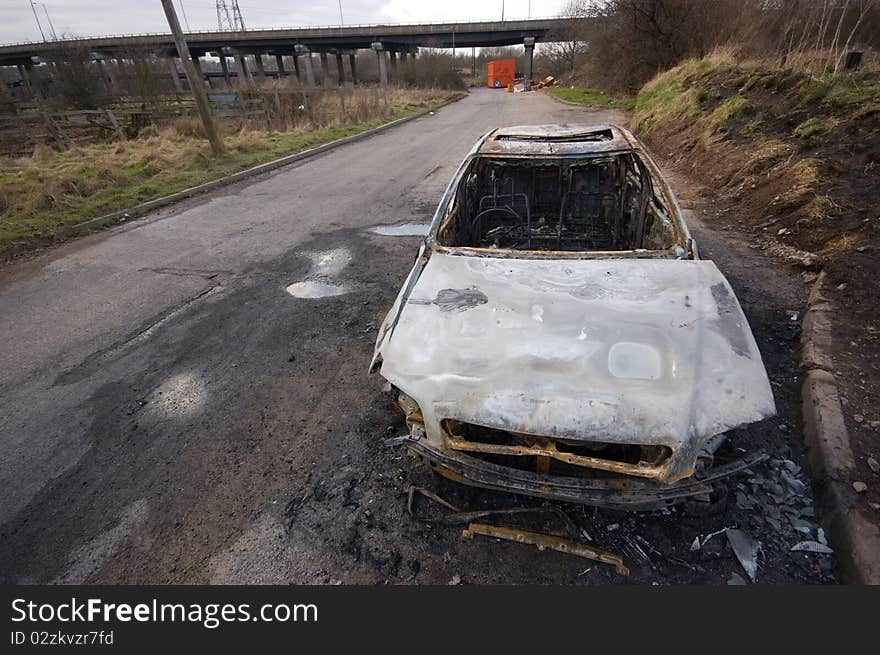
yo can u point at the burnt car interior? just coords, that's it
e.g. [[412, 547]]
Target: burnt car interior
[[600, 203]]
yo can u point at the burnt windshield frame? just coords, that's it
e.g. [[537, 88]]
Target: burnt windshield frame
[[652, 192]]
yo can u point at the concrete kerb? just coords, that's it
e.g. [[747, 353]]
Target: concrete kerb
[[151, 205], [855, 538]]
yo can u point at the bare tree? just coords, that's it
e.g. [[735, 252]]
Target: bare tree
[[628, 41], [77, 77], [865, 6], [569, 42]]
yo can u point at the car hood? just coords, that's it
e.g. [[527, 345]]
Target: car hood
[[616, 350]]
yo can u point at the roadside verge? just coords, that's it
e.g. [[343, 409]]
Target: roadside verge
[[12, 250]]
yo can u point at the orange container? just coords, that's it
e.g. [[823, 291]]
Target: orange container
[[500, 73]]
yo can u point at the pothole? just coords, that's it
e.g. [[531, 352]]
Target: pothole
[[316, 289], [326, 264], [404, 230]]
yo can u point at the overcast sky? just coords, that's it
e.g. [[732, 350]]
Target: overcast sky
[[97, 17]]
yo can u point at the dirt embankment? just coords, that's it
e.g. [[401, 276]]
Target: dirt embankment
[[792, 162]]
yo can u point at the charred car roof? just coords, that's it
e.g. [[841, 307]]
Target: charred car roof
[[557, 140]]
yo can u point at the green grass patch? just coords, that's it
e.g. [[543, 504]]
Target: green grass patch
[[812, 92], [732, 108], [851, 90], [666, 100], [843, 94], [590, 98]]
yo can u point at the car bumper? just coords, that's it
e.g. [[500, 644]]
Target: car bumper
[[625, 493]]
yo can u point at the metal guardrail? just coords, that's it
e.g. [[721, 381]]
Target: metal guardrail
[[286, 29]]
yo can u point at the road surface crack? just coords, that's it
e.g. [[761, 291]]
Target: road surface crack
[[100, 357]]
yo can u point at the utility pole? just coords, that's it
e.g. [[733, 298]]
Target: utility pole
[[195, 80]]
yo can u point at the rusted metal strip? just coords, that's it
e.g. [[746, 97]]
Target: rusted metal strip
[[549, 451], [430, 495], [542, 541]]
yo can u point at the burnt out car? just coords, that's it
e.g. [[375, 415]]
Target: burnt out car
[[559, 335]]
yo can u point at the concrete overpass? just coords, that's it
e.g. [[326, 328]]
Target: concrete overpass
[[284, 40], [389, 41]]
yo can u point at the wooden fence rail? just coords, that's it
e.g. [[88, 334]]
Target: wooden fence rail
[[273, 109]]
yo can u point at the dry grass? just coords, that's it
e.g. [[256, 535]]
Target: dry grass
[[843, 244], [805, 173], [809, 61], [765, 154], [818, 207], [814, 126], [793, 147], [51, 189], [282, 106]]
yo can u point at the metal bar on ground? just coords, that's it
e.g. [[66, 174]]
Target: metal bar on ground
[[542, 541]]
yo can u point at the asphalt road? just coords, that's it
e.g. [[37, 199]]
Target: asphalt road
[[170, 413]]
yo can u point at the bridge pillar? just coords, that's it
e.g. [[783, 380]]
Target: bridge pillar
[[175, 75], [119, 72], [225, 66], [243, 72], [529, 43], [24, 71], [352, 64], [296, 70], [392, 54], [308, 69], [261, 70], [279, 64], [340, 69], [383, 67], [325, 70], [382, 54], [108, 79], [197, 64]]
